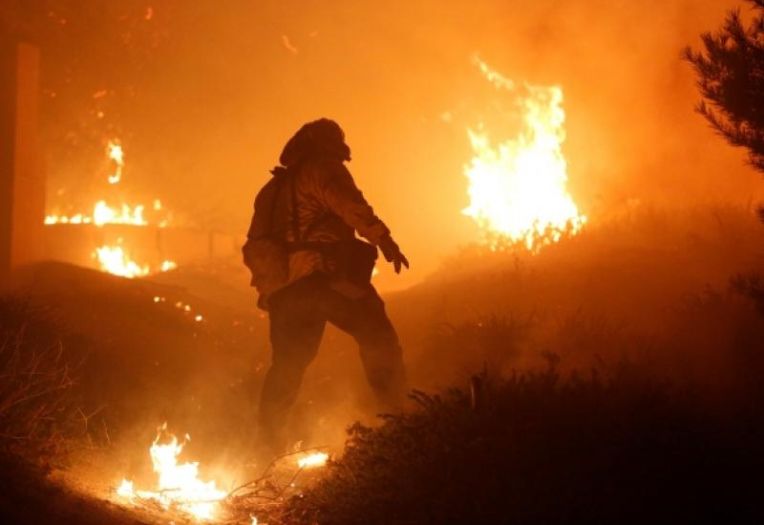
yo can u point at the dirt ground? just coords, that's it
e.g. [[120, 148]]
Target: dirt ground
[[28, 495]]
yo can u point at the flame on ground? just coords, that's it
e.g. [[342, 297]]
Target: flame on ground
[[178, 484], [114, 259], [517, 187]]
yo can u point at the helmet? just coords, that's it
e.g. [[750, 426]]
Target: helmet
[[321, 138]]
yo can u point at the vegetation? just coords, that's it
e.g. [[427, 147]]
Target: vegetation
[[622, 445], [37, 409], [542, 450], [731, 79], [730, 71], [667, 426]]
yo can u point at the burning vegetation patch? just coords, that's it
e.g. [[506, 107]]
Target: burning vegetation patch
[[518, 187], [178, 484], [181, 492]]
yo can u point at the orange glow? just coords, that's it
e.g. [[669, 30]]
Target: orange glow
[[517, 187]]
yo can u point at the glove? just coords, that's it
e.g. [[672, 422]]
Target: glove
[[392, 253]]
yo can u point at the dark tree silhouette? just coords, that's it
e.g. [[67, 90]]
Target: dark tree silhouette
[[730, 72]]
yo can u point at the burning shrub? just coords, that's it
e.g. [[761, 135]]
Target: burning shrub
[[541, 450]]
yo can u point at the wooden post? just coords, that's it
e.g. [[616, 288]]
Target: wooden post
[[22, 184]]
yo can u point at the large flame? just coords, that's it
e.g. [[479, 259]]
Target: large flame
[[517, 187]]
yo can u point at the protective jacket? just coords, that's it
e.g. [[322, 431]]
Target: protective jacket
[[313, 202]]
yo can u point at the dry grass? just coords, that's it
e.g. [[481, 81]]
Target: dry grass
[[37, 405], [33, 392]]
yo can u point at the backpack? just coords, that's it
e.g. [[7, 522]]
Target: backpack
[[265, 254]]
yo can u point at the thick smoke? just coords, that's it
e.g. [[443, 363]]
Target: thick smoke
[[204, 97]]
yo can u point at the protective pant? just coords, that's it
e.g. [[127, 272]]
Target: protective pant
[[298, 315]]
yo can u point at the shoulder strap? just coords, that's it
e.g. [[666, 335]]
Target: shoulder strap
[[295, 212], [272, 205]]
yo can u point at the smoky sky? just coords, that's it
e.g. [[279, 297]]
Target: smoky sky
[[215, 89]]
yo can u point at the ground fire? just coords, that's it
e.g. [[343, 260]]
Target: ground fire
[[179, 486]]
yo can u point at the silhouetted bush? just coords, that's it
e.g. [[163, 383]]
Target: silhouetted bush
[[544, 450], [494, 343], [751, 286], [667, 427]]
